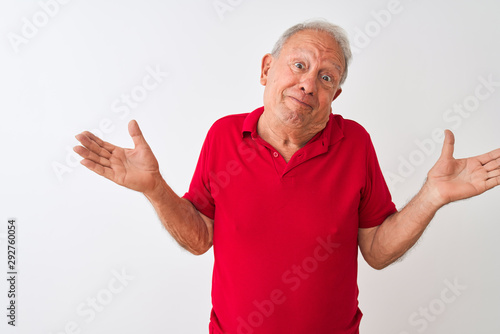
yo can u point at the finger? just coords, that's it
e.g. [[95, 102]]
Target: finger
[[493, 174], [448, 145], [104, 144], [490, 157], [136, 134], [86, 154], [492, 165], [492, 183], [87, 139], [98, 169]]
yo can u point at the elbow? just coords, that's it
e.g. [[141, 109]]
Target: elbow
[[197, 253], [198, 244], [377, 262], [199, 250], [379, 258], [378, 265], [381, 263]]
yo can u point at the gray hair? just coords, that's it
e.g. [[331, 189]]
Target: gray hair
[[335, 31]]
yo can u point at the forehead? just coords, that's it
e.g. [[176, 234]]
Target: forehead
[[319, 43]]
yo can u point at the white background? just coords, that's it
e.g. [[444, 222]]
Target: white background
[[75, 228]]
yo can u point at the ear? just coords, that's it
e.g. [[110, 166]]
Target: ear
[[337, 93], [266, 65]]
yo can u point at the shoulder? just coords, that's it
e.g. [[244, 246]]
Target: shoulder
[[351, 130], [226, 129], [229, 122]]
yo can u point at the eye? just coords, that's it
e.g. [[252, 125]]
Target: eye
[[300, 66], [326, 78]]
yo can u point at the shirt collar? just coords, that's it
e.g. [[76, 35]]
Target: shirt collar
[[331, 134]]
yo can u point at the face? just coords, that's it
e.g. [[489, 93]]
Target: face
[[302, 82]]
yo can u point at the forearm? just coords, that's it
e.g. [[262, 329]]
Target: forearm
[[180, 218], [400, 231]]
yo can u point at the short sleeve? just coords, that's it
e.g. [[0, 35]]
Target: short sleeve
[[376, 201], [199, 190]]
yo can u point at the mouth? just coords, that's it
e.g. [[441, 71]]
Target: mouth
[[302, 103]]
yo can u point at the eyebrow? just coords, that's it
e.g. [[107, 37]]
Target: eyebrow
[[330, 61], [336, 65]]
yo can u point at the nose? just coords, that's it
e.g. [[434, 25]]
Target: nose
[[308, 84]]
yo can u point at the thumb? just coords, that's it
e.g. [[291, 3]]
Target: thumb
[[136, 134], [448, 145]]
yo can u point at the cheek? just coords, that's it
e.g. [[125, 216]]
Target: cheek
[[330, 94], [285, 80], [325, 102], [277, 87]]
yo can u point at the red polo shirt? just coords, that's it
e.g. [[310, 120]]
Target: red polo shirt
[[285, 234]]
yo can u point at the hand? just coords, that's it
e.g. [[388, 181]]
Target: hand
[[455, 179], [136, 168]]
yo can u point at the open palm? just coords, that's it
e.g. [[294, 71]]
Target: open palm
[[135, 168], [457, 179]]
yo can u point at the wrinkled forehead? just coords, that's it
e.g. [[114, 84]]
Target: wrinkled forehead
[[317, 43]]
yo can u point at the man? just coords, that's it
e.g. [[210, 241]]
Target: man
[[287, 193]]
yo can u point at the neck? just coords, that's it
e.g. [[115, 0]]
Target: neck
[[283, 136]]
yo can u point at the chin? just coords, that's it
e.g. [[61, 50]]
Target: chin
[[294, 118]]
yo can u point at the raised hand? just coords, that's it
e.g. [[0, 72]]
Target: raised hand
[[136, 168], [448, 180], [456, 179]]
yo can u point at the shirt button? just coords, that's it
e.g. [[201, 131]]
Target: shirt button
[[275, 154]]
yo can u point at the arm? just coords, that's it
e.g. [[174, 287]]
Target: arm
[[190, 228], [138, 169], [449, 180]]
